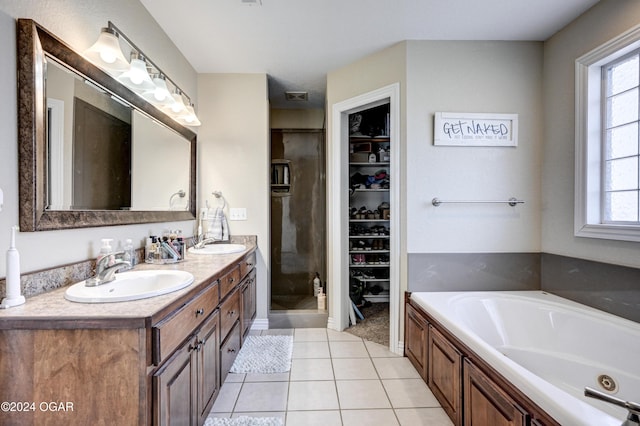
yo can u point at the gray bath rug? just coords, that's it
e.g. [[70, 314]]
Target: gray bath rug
[[264, 354], [243, 421]]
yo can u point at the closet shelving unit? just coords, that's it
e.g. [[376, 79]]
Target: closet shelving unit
[[369, 230]]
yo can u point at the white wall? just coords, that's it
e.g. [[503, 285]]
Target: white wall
[[78, 23], [491, 77], [604, 21], [233, 157]]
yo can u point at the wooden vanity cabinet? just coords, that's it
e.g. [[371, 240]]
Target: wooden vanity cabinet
[[186, 385], [248, 301], [416, 331], [485, 403], [445, 373]]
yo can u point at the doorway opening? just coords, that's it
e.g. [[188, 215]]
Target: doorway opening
[[298, 229], [340, 258]]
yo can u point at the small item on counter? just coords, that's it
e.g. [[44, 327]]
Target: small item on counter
[[317, 285], [106, 250], [129, 253], [14, 296], [322, 300]]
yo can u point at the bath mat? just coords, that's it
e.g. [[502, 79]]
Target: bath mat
[[264, 354], [243, 421]]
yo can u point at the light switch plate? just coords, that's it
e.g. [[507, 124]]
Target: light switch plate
[[238, 213]]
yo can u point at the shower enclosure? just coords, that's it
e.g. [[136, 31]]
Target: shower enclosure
[[297, 217]]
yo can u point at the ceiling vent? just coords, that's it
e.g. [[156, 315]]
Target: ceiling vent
[[296, 96], [252, 2]]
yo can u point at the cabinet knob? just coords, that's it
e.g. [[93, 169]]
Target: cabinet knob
[[231, 313], [200, 311], [231, 350]]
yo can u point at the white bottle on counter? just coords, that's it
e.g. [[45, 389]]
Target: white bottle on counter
[[13, 291]]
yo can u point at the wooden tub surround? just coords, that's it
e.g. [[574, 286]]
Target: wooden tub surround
[[470, 391], [155, 361]]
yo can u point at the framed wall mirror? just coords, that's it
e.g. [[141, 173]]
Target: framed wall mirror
[[91, 152]]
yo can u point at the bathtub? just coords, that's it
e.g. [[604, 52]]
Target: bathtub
[[548, 347]]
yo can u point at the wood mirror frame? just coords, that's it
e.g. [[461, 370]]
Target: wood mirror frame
[[32, 43]]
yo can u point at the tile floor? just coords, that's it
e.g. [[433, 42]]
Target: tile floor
[[335, 379]]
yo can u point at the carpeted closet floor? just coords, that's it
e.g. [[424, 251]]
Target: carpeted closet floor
[[375, 326]]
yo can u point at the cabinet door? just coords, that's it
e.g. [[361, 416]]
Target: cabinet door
[[229, 350], [416, 332], [248, 301], [486, 404], [207, 365], [174, 389], [445, 374]]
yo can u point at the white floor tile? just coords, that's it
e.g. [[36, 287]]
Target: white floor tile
[[267, 396], [311, 369], [226, 400], [342, 336], [310, 335], [409, 393], [313, 418], [319, 395], [377, 350], [235, 378], [369, 418], [275, 377], [395, 368], [354, 369], [348, 350], [311, 350], [423, 417], [357, 394]]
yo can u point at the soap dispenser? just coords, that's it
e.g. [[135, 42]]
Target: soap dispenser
[[105, 251]]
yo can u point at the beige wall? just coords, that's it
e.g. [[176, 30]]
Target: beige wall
[[376, 71], [78, 23], [297, 119], [233, 157], [604, 21]]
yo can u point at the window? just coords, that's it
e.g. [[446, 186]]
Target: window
[[607, 140]]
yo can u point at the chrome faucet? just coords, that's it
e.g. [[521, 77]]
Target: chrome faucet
[[106, 273], [633, 408]]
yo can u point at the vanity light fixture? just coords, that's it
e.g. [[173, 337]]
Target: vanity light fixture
[[160, 91], [137, 78], [189, 118], [106, 52], [159, 95], [177, 106]]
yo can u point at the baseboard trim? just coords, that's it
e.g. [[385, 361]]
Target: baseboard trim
[[260, 324]]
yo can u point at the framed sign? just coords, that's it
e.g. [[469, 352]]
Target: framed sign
[[475, 129]]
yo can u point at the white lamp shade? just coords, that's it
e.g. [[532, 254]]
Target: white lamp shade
[[160, 94], [189, 118], [106, 53], [177, 107], [137, 77]]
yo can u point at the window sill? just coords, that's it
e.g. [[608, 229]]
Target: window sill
[[609, 232]]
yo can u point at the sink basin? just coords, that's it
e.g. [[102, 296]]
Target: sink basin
[[219, 249], [130, 285]]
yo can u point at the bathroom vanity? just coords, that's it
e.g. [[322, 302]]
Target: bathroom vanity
[[155, 361]]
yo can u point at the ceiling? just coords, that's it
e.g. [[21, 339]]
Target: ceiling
[[297, 42]]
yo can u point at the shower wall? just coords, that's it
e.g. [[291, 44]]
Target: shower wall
[[297, 217]]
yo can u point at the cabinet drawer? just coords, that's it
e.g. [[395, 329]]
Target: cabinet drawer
[[229, 281], [173, 330], [229, 313], [229, 350], [247, 264]]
